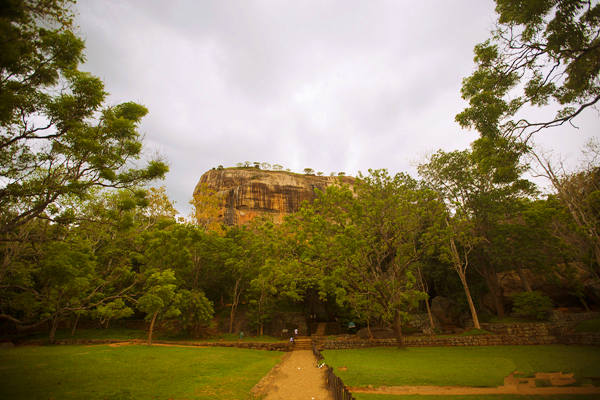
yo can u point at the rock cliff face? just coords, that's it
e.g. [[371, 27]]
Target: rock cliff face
[[246, 193]]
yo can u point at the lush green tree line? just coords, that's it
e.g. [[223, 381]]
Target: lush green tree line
[[81, 236]]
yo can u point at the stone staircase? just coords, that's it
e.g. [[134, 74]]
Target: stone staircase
[[302, 343]]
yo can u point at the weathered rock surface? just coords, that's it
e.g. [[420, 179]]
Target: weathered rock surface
[[247, 193], [559, 283]]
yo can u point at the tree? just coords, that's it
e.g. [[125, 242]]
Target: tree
[[207, 209], [277, 167], [56, 141], [161, 298], [309, 171], [364, 248], [81, 266], [579, 192], [196, 310], [542, 53], [481, 188], [265, 165]]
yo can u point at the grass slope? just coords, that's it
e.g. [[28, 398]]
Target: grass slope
[[459, 366], [131, 372]]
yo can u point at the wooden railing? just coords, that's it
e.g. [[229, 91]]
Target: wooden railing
[[334, 383]]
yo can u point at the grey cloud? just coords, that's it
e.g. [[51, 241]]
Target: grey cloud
[[330, 85]]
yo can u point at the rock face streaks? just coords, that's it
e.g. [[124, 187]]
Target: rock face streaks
[[247, 193]]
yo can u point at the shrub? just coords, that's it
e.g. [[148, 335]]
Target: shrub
[[534, 305]]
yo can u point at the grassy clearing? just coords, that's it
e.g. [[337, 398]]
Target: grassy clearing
[[459, 366], [360, 396], [131, 372]]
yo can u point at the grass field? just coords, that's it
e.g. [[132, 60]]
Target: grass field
[[131, 372], [475, 397], [460, 366]]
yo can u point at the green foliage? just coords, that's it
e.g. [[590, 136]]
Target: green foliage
[[56, 140], [160, 296], [196, 310], [541, 53], [533, 305], [116, 309], [362, 247]]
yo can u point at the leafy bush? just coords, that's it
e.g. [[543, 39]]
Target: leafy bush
[[534, 305]]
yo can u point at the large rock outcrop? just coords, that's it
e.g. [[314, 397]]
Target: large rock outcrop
[[246, 193]]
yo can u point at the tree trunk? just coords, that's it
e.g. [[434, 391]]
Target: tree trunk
[[431, 324], [369, 330], [523, 278], [151, 328], [53, 328], [74, 328], [463, 280], [424, 289], [234, 303], [398, 329]]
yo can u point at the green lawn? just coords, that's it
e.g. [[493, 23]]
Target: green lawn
[[360, 396], [459, 366], [131, 372]]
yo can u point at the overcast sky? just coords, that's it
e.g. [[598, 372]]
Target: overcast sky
[[331, 85]]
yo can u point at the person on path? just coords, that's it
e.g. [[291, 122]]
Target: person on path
[[296, 332]]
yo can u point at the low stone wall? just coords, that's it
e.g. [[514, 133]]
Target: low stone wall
[[426, 341], [520, 329], [273, 346], [581, 338], [559, 316]]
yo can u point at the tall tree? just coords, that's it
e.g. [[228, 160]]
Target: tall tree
[[480, 186], [579, 192], [161, 298], [542, 53], [56, 139], [366, 246]]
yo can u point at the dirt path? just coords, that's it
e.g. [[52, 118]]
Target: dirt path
[[295, 378]]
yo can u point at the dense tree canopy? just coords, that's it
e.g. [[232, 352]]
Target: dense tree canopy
[[542, 53], [57, 140], [82, 238]]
